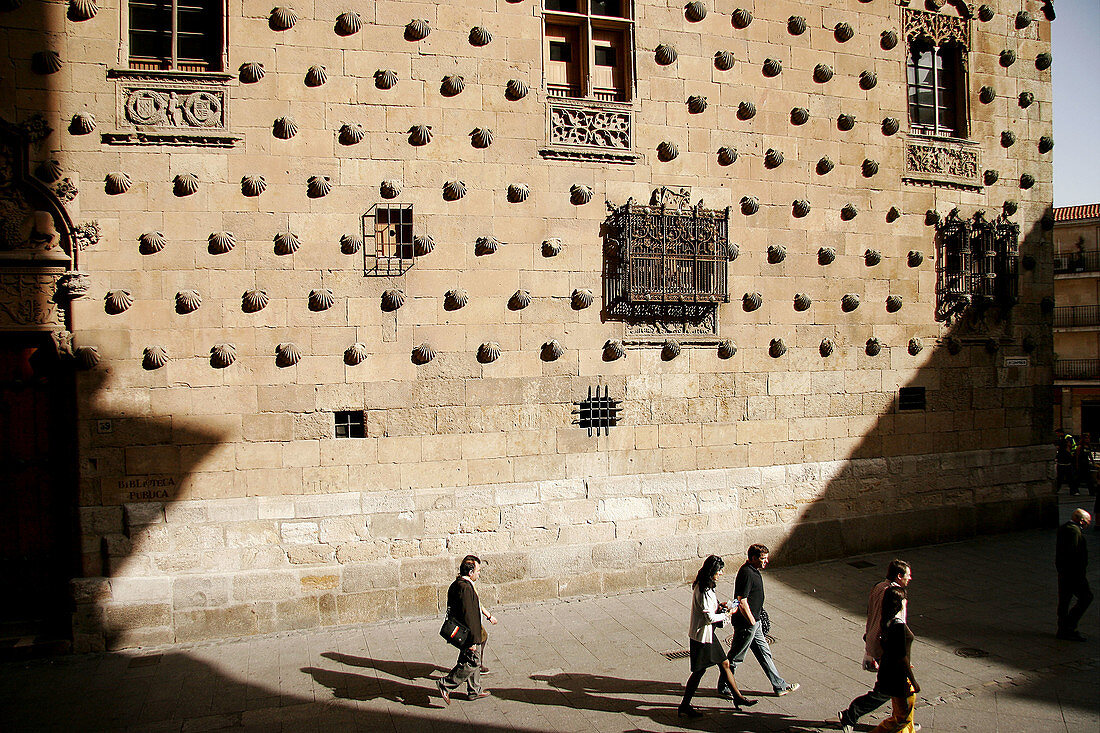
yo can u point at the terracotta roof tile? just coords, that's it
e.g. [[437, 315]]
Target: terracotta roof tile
[[1075, 213]]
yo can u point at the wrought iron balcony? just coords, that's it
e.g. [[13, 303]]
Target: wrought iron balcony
[[1077, 369], [1072, 316], [1077, 262]]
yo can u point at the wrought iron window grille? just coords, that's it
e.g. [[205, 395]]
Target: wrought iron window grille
[[978, 264], [349, 424], [911, 398], [597, 412], [390, 228]]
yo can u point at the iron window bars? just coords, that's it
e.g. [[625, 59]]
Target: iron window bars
[[390, 228], [597, 412], [978, 263]]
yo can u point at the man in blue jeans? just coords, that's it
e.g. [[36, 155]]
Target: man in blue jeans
[[749, 589]]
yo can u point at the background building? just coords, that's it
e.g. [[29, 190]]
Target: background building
[[346, 301], [1077, 319]]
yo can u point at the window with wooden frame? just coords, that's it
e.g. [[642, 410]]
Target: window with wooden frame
[[176, 35], [587, 49], [936, 80]]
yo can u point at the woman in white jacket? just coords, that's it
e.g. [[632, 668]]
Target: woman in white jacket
[[706, 650]]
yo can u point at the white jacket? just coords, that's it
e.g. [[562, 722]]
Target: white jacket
[[704, 615]]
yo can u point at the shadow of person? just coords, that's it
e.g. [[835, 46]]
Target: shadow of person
[[394, 668], [350, 686]]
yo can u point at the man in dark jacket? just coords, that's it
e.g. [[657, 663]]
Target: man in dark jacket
[[463, 606], [1071, 557]]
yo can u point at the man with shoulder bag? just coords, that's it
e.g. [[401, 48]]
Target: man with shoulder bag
[[463, 629]]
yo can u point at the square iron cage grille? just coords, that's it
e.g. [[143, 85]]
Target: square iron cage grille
[[673, 255], [597, 412], [979, 261], [389, 227]]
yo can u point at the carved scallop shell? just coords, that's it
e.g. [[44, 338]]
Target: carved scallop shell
[[931, 218], [665, 55], [151, 243], [518, 192], [872, 257], [990, 176], [1029, 344], [515, 90], [188, 301], [843, 32], [796, 25], [1046, 144], [845, 122], [551, 350], [823, 73], [1008, 139], [1010, 207], [251, 72], [824, 165], [48, 170], [318, 186], [351, 133], [253, 185], [777, 348], [348, 23], [800, 208], [874, 347], [773, 158], [893, 303], [284, 128], [389, 188], [749, 205], [826, 256], [888, 40], [423, 353], [800, 116], [613, 349], [985, 13], [1043, 61], [1027, 181], [869, 167], [746, 111], [222, 355], [551, 247], [254, 301], [727, 155], [579, 194], [154, 357], [287, 243], [868, 80], [420, 134], [1023, 19], [741, 18], [481, 137], [321, 299], [1008, 57], [697, 104], [667, 151], [452, 85], [355, 354], [46, 62], [392, 300], [480, 36], [915, 346], [417, 30], [82, 10], [826, 347], [185, 184], [776, 253], [670, 349], [117, 301], [519, 300], [987, 94], [287, 355], [423, 244], [282, 19], [954, 346], [695, 11], [890, 125], [849, 212], [726, 349], [581, 298], [1026, 99], [488, 352], [86, 357], [455, 299], [351, 243], [723, 60], [117, 183], [849, 302], [453, 190], [802, 302], [385, 78], [733, 251], [486, 246], [751, 301], [893, 214], [772, 67], [82, 123]]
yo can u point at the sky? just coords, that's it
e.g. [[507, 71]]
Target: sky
[[1076, 74]]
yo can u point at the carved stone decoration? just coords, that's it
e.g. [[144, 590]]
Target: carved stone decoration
[[697, 104], [733, 251], [72, 285], [287, 243], [845, 122], [987, 94], [849, 302], [453, 190], [254, 301], [826, 347], [777, 348], [723, 60], [772, 68], [519, 300], [480, 36], [45, 62], [486, 246], [890, 125], [1046, 144], [154, 357], [1027, 181], [823, 73], [579, 194], [515, 90], [222, 355], [802, 302], [481, 137], [749, 205], [348, 24], [1026, 99], [518, 192], [868, 80], [613, 349], [452, 85], [1029, 344], [932, 218], [751, 301], [1008, 138], [318, 186], [824, 165], [117, 183], [872, 257], [893, 214], [282, 19], [991, 176], [843, 32], [888, 40], [423, 244], [773, 158], [48, 171], [185, 184], [776, 253], [746, 111], [874, 347], [251, 72], [670, 349], [741, 18], [893, 303], [355, 354], [351, 243], [936, 28], [151, 243], [941, 160], [581, 298], [455, 299], [695, 11], [417, 30], [321, 299], [800, 208], [551, 350], [849, 212], [915, 258], [826, 256], [385, 78], [870, 167], [1029, 262], [608, 129], [287, 355], [985, 13], [726, 349], [796, 25], [117, 301], [1048, 9], [221, 242], [800, 116], [1008, 57], [80, 10], [188, 301], [284, 128], [488, 352], [727, 155], [389, 188], [87, 357], [954, 346], [665, 55], [351, 133], [915, 346], [551, 247], [1043, 61], [316, 76], [392, 300], [420, 135], [667, 151]]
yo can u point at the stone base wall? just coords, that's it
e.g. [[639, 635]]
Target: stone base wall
[[194, 570]]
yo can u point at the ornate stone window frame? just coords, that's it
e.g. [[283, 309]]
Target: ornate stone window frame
[[171, 108]]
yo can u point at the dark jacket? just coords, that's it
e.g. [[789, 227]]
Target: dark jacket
[[1071, 554], [463, 605], [893, 670]]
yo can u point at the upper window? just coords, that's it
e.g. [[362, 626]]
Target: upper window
[[934, 89], [587, 49], [176, 35]]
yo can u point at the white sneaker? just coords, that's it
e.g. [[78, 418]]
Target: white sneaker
[[788, 689]]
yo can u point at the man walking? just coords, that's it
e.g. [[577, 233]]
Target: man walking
[[464, 606], [1071, 557], [898, 575], [748, 633]]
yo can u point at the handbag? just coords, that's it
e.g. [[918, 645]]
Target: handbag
[[454, 632]]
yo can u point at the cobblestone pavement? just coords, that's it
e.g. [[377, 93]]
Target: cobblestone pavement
[[982, 610]]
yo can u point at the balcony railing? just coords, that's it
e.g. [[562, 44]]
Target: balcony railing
[[1077, 369], [1077, 315], [1077, 262]]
